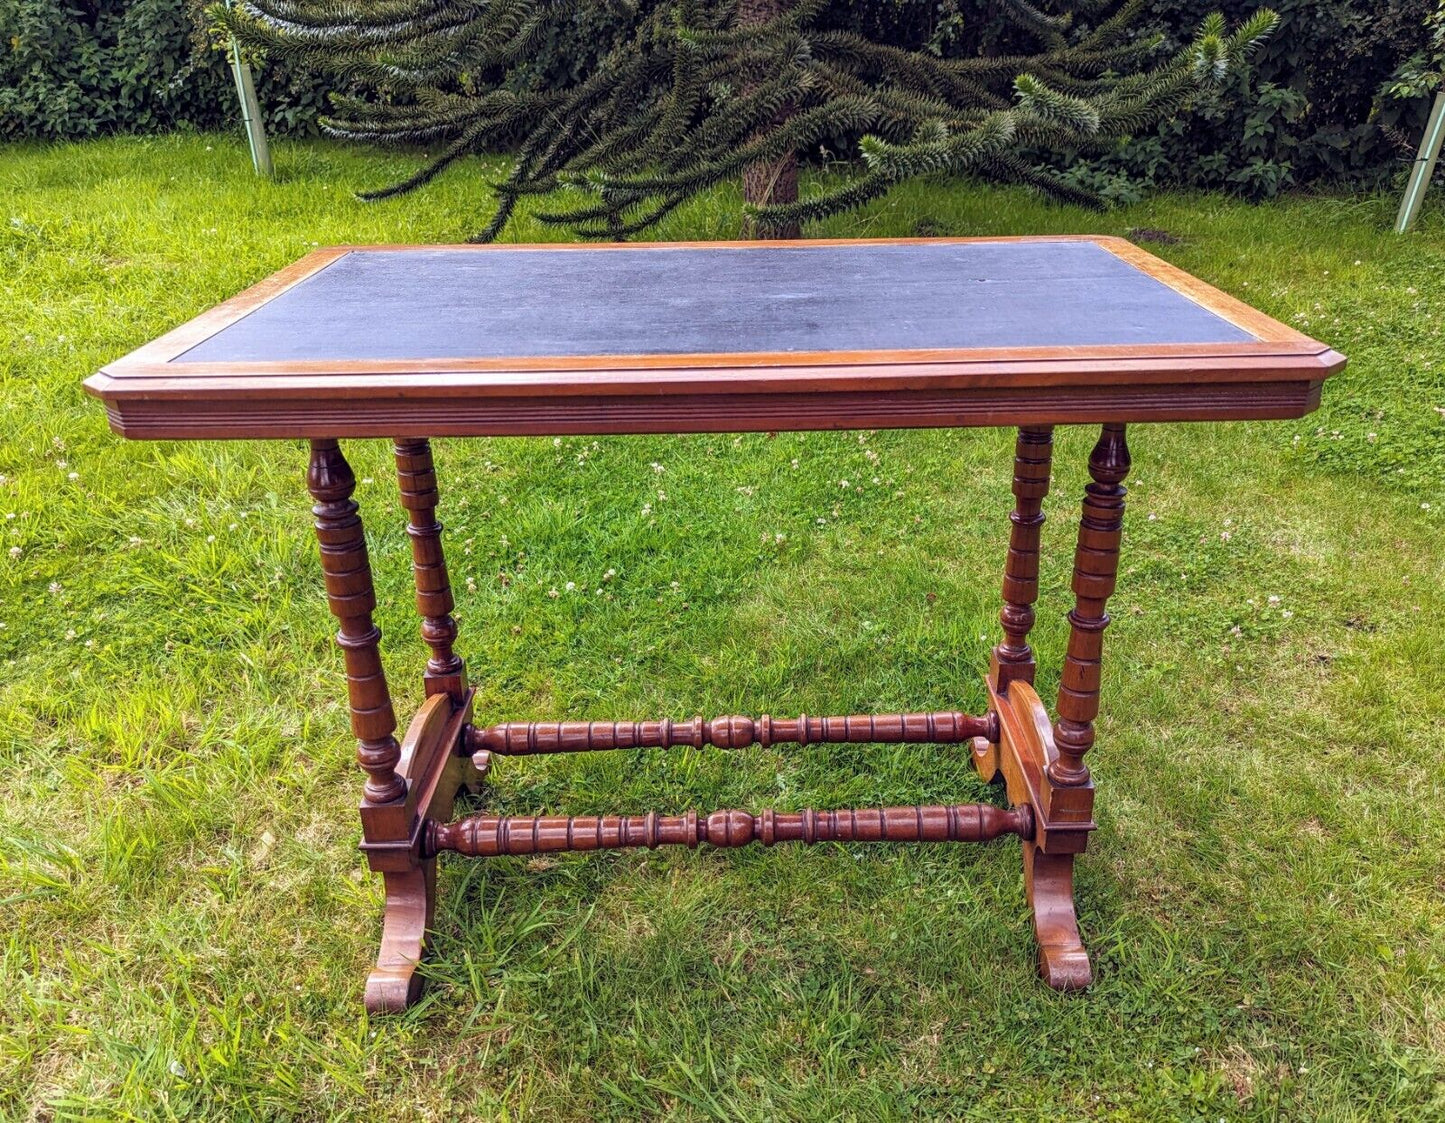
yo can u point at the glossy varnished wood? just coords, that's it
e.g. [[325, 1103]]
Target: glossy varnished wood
[[530, 738], [352, 600], [1268, 370], [1274, 374], [1096, 566], [490, 836], [417, 477], [1033, 459], [435, 771]]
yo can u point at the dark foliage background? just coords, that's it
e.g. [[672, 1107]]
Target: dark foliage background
[[1312, 109], [80, 68]]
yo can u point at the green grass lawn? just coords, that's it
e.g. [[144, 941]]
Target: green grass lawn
[[185, 922]]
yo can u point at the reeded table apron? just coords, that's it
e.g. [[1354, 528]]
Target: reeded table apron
[[412, 342]]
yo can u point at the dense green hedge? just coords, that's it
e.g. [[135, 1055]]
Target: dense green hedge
[[1312, 110], [78, 68]]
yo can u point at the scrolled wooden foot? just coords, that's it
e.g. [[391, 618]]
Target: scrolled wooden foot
[[1049, 884], [394, 984]]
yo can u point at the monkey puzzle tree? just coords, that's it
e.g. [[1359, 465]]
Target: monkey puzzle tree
[[682, 94]]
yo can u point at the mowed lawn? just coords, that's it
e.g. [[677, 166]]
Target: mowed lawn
[[185, 922]]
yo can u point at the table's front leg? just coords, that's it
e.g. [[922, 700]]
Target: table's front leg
[[352, 600], [404, 781], [1096, 568]]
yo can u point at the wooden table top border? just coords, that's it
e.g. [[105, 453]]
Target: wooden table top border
[[151, 368]]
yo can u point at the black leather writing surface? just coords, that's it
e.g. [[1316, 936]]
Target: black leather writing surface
[[456, 303]]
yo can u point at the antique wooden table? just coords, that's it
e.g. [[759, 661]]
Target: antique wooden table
[[412, 343]]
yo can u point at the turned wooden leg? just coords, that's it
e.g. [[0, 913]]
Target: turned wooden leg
[[352, 600], [385, 812], [1096, 566], [445, 672], [1013, 658]]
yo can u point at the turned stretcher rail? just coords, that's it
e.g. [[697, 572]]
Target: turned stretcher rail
[[487, 836], [527, 738]]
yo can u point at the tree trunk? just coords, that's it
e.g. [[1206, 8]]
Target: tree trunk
[[775, 181]]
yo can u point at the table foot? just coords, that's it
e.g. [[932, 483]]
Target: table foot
[[394, 984], [435, 769], [1049, 886]]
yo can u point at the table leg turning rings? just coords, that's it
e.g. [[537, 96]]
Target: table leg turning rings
[[406, 809]]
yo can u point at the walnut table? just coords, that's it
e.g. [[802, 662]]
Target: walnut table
[[412, 343]]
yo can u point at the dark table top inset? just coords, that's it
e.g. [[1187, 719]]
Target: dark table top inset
[[387, 341], [451, 303]]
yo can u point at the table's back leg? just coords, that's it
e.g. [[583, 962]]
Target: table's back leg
[[1013, 659], [446, 673], [1096, 567], [1033, 457], [417, 478]]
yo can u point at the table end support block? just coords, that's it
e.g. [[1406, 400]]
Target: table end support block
[[1063, 818], [436, 769]]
